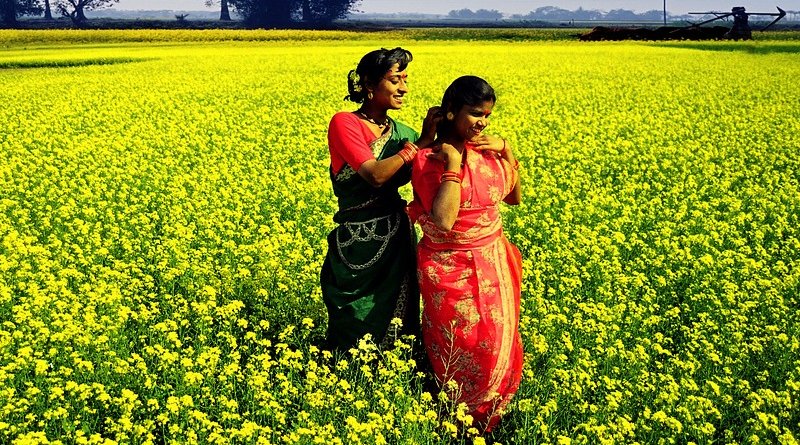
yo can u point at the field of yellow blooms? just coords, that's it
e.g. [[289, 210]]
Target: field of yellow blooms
[[164, 202]]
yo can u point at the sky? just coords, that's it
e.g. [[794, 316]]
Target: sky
[[675, 7]]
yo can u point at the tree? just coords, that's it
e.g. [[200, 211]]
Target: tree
[[460, 13], [653, 14], [10, 10], [488, 14], [621, 15], [276, 13], [552, 13], [325, 10], [262, 13], [224, 14], [74, 9], [481, 14]]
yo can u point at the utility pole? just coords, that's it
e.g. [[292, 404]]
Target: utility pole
[[665, 12]]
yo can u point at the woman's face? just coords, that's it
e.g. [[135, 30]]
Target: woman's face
[[471, 120], [388, 92]]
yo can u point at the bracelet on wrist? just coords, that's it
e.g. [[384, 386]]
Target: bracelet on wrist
[[408, 152], [450, 176]]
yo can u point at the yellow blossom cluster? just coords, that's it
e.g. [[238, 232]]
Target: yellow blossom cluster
[[165, 198]]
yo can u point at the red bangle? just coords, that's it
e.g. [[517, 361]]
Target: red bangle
[[408, 152], [450, 176]]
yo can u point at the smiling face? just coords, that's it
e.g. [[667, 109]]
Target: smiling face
[[471, 120], [388, 93]]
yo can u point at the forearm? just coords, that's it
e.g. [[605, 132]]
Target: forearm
[[378, 172], [515, 196], [448, 199]]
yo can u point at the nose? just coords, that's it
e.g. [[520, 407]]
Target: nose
[[403, 88]]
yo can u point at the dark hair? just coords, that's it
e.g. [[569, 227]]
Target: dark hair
[[371, 68], [466, 90]]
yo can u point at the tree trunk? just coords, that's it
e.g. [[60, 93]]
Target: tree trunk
[[8, 12], [223, 13], [47, 14], [79, 16]]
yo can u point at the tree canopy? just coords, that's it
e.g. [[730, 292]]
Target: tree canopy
[[264, 13], [75, 9], [10, 10], [481, 14]]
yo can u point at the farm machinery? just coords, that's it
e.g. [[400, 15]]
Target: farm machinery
[[740, 30]]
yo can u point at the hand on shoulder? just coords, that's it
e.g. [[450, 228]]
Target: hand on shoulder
[[486, 142], [447, 154]]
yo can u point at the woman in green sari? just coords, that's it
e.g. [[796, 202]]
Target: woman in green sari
[[369, 274]]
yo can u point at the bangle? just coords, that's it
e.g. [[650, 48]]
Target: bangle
[[450, 176], [408, 152]]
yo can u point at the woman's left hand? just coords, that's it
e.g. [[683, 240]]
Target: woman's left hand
[[488, 143]]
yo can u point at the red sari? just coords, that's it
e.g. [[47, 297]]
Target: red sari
[[470, 279]]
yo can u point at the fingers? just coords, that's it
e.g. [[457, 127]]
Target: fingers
[[440, 152], [438, 156], [486, 142], [480, 140]]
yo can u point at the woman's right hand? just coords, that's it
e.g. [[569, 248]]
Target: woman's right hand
[[447, 154]]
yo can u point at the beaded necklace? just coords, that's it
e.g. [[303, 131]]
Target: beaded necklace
[[381, 125]]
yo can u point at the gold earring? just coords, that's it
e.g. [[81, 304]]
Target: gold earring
[[369, 95], [450, 115]]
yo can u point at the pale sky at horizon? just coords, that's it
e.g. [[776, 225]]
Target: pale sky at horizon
[[675, 7]]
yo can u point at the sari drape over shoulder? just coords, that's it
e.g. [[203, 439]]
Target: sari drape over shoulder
[[470, 279], [369, 273]]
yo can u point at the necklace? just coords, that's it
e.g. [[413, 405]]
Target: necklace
[[373, 121]]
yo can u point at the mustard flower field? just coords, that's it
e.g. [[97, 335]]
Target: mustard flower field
[[164, 202]]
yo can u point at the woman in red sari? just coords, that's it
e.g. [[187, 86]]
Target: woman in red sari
[[469, 273]]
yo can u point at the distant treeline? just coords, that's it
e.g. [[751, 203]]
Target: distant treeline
[[554, 13], [580, 14], [541, 17]]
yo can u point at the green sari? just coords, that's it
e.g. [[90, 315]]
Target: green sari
[[369, 274]]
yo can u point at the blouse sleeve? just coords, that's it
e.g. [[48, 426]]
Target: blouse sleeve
[[425, 176], [347, 141]]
